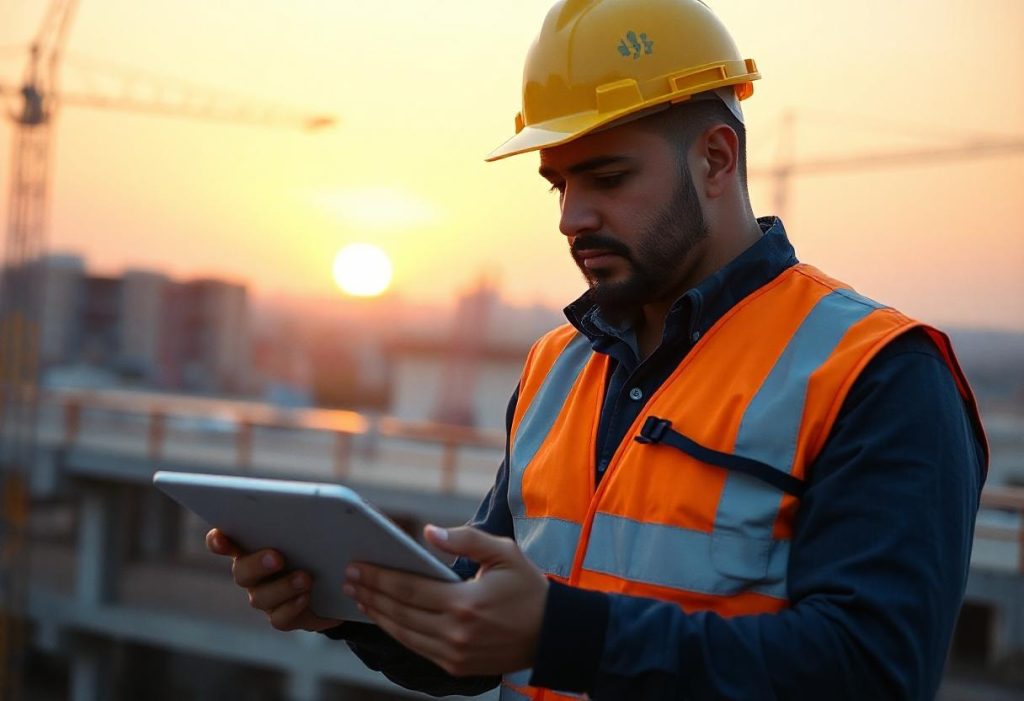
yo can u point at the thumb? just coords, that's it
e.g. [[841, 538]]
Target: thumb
[[471, 542]]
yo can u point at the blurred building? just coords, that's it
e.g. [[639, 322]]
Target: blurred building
[[206, 344], [62, 290], [142, 316], [145, 329], [465, 373]]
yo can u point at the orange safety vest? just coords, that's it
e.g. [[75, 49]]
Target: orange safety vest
[[699, 508]]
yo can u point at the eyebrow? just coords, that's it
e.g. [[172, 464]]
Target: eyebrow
[[584, 166]]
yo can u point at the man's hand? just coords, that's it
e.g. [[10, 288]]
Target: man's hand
[[284, 597], [488, 625]]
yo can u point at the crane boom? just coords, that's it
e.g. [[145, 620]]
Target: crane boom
[[223, 111], [890, 159]]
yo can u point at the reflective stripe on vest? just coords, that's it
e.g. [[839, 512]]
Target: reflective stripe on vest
[[515, 687], [545, 541]]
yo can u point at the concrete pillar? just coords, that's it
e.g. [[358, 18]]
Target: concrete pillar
[[91, 676], [159, 525], [1008, 627], [98, 565], [98, 554], [302, 684]]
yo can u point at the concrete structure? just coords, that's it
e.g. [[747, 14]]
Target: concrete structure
[[63, 278], [419, 369], [205, 340], [142, 301], [116, 568], [464, 372], [145, 329]]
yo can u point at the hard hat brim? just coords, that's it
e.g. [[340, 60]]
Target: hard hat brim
[[555, 132]]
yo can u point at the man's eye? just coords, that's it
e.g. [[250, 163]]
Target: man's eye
[[609, 180]]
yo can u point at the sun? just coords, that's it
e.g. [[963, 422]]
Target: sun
[[362, 270]]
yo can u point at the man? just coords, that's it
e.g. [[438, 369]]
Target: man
[[730, 476]]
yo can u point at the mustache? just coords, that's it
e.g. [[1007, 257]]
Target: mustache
[[598, 242]]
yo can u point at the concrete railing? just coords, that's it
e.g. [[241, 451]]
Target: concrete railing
[[242, 418], [1008, 500]]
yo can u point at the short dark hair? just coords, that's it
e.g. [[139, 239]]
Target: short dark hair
[[684, 122]]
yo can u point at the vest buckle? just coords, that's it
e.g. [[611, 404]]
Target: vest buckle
[[653, 430]]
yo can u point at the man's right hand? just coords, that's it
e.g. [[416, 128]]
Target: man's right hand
[[283, 596]]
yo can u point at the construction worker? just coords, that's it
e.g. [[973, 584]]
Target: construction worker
[[730, 475]]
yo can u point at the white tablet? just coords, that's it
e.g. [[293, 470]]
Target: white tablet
[[318, 528]]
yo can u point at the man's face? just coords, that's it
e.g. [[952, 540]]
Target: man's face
[[630, 212]]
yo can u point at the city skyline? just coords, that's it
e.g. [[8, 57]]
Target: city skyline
[[424, 92]]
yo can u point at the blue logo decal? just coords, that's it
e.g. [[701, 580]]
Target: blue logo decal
[[634, 45]]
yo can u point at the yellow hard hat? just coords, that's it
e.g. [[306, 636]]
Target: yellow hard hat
[[597, 61]]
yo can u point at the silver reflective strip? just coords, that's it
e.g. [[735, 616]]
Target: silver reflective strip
[[549, 543], [520, 678], [541, 416], [770, 427], [684, 559], [507, 694]]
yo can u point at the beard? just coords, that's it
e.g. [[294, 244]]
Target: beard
[[654, 261]]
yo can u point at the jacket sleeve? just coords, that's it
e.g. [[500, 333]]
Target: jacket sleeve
[[382, 653], [877, 570]]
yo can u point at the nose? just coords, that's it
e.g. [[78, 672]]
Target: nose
[[579, 215]]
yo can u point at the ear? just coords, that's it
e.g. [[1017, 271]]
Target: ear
[[721, 149]]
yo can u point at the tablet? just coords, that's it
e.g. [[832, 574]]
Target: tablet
[[318, 528]]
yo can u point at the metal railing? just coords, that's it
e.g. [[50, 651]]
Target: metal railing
[[242, 418], [1007, 500]]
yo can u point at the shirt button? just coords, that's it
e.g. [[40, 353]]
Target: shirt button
[[635, 394], [695, 336]]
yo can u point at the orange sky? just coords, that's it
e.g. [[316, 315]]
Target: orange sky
[[424, 90]]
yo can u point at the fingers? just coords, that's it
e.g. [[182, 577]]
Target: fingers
[[250, 570], [284, 598], [219, 544], [288, 614], [432, 648], [272, 593], [295, 614], [375, 603], [412, 590], [473, 543]]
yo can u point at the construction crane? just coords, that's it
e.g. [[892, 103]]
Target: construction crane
[[37, 102], [786, 168]]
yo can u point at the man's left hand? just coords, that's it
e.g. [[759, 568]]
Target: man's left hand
[[487, 625]]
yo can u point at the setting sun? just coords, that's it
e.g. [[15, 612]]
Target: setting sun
[[362, 270]]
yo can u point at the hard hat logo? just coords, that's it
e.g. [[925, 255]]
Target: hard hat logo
[[592, 66], [636, 45]]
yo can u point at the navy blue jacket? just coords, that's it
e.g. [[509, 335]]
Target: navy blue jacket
[[878, 563]]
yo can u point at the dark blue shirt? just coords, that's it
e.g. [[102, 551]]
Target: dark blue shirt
[[878, 561]]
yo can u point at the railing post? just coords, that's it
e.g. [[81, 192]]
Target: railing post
[[1020, 542], [72, 421], [156, 434], [243, 445], [342, 454], [448, 465]]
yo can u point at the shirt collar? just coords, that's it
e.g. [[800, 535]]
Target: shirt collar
[[697, 310]]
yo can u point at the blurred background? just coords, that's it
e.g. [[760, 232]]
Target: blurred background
[[265, 242]]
